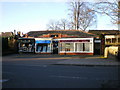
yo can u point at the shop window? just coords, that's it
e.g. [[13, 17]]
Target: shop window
[[26, 47], [43, 48], [62, 47], [79, 47], [86, 46], [67, 47], [83, 47]]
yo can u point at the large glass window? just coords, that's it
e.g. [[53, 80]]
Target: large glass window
[[83, 47], [86, 46], [62, 47], [67, 46], [79, 47], [43, 47], [26, 45]]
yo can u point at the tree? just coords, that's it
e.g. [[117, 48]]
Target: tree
[[64, 24], [53, 25], [82, 16], [58, 25], [111, 9]]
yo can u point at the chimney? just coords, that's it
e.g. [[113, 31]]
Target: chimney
[[14, 32]]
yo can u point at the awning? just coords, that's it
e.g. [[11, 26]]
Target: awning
[[43, 41]]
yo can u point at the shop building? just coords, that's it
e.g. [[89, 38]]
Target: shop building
[[70, 42], [76, 46], [43, 45], [26, 45], [108, 38]]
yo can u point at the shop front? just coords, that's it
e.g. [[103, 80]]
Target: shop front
[[43, 45], [26, 45], [76, 46]]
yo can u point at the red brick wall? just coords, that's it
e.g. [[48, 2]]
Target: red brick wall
[[75, 53]]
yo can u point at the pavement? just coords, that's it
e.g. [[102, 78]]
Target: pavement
[[80, 60], [91, 61]]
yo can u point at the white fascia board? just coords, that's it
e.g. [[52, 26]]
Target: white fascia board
[[110, 36], [75, 39], [43, 38]]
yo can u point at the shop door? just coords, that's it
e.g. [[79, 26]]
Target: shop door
[[97, 48], [55, 47]]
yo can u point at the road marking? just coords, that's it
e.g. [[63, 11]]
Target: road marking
[[72, 77], [4, 80]]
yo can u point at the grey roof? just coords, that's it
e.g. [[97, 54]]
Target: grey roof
[[98, 32], [76, 33]]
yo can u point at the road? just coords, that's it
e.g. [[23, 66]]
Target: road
[[25, 72]]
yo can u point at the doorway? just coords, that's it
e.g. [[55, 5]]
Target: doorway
[[55, 47], [97, 48]]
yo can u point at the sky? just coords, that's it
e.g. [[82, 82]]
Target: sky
[[34, 16]]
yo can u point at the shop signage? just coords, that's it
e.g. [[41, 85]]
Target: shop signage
[[97, 41], [43, 41]]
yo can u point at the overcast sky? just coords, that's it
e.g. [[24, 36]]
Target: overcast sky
[[33, 16]]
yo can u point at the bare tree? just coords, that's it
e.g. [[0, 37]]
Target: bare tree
[[53, 25], [75, 11], [63, 24], [87, 17], [58, 25], [82, 15], [110, 8]]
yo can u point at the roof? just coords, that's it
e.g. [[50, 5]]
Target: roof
[[6, 34], [77, 33], [98, 32]]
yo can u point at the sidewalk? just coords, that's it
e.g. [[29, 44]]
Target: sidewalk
[[91, 61], [79, 60]]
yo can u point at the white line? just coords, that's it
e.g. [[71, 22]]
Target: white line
[[4, 80], [72, 77]]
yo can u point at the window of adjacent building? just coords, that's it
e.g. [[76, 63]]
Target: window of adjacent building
[[114, 40], [108, 40], [118, 40]]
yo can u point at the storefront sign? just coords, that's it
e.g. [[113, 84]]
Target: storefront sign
[[74, 40], [43, 41], [97, 41]]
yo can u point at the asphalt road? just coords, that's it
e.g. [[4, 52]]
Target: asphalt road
[[34, 72]]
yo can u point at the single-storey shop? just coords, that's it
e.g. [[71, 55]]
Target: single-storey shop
[[26, 45], [61, 42]]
